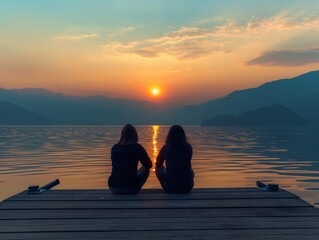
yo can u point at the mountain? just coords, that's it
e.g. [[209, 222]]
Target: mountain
[[11, 114], [35, 91], [83, 110], [300, 94], [270, 115]]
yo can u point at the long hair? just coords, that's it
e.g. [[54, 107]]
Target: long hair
[[176, 137], [128, 135]]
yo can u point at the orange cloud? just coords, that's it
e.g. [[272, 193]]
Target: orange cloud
[[76, 37], [287, 58], [121, 31], [195, 42]]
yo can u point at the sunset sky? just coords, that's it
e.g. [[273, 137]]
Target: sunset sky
[[191, 51]]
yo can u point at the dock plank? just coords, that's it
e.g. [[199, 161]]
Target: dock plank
[[153, 190], [159, 213], [151, 224], [244, 213], [150, 196], [155, 204], [260, 234]]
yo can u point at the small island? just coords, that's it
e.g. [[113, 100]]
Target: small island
[[266, 116]]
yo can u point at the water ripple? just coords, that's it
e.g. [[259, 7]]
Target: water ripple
[[223, 156]]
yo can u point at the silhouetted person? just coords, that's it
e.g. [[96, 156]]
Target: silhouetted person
[[178, 176], [125, 155]]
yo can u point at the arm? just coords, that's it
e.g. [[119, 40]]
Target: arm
[[161, 157], [145, 159], [191, 153]]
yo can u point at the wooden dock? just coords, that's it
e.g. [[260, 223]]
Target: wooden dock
[[235, 213]]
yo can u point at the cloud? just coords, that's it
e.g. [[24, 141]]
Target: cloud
[[76, 37], [211, 20], [281, 22], [184, 43], [188, 43], [121, 31], [287, 58]]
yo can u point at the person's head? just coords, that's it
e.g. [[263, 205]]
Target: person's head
[[176, 136], [128, 135]]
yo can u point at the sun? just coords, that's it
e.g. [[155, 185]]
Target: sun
[[155, 91]]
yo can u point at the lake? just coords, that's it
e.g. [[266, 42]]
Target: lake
[[223, 156]]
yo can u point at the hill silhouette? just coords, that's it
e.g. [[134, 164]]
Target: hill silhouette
[[83, 110], [270, 115], [11, 114], [300, 94]]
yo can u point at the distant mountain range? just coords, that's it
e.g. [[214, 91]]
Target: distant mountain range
[[14, 115], [63, 109], [300, 94], [265, 116]]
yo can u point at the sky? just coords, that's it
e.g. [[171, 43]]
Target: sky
[[191, 51]]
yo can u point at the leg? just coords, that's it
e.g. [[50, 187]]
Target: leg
[[142, 175], [169, 188], [123, 191], [161, 175]]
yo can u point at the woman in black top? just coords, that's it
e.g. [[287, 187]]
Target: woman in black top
[[178, 176], [125, 155]]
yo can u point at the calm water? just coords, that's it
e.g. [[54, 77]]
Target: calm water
[[223, 156]]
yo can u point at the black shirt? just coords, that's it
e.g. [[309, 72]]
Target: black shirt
[[125, 160], [179, 171]]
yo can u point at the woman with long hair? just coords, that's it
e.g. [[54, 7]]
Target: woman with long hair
[[177, 176], [125, 155]]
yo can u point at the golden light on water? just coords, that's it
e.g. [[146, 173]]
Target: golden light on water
[[154, 142]]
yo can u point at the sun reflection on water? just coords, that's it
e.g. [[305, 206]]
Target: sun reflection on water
[[154, 142]]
